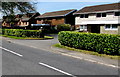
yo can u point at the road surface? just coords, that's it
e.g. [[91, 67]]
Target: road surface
[[24, 60]]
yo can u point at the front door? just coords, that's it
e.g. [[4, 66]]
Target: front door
[[95, 28]]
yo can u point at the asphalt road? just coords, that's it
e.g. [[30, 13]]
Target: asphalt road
[[24, 60]]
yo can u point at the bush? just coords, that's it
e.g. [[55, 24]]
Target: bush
[[101, 43], [63, 27], [21, 32]]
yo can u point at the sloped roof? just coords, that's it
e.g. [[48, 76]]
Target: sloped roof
[[97, 8], [28, 16], [56, 13]]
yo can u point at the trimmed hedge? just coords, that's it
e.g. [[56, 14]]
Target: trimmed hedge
[[101, 43], [63, 27], [21, 32]]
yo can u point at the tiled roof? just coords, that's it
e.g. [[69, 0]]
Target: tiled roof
[[56, 13], [25, 19], [97, 8], [28, 16]]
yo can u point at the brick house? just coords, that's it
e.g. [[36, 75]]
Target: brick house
[[57, 17], [7, 22], [27, 19], [99, 19], [20, 20]]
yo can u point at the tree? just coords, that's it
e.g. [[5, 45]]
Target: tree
[[9, 8]]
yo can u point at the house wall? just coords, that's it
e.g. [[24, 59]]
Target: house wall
[[92, 19], [23, 23], [53, 21], [102, 30], [119, 29], [4, 24], [57, 21]]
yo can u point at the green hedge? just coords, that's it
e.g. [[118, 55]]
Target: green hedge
[[63, 27], [21, 32], [101, 43]]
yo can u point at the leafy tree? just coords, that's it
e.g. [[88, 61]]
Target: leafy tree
[[9, 8]]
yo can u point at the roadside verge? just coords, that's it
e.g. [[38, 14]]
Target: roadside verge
[[85, 56]]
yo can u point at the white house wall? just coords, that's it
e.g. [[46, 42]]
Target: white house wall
[[92, 19]]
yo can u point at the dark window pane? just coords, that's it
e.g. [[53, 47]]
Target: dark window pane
[[117, 13], [82, 16], [107, 27], [103, 14], [98, 14], [86, 15], [114, 26]]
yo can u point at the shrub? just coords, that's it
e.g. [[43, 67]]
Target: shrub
[[21, 32], [63, 27], [101, 43]]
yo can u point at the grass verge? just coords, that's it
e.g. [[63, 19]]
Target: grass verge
[[30, 38], [85, 51]]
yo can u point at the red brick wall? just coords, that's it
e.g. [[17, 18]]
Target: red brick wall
[[58, 21], [52, 21]]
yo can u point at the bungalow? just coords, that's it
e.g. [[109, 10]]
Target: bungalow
[[57, 17], [28, 19], [99, 19]]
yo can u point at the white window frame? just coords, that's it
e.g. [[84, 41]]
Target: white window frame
[[111, 28], [84, 28]]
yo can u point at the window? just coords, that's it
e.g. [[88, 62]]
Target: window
[[101, 15], [98, 14], [111, 27], [114, 26], [117, 13], [83, 27], [84, 15], [107, 26]]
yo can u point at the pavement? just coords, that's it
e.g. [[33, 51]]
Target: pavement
[[90, 61]]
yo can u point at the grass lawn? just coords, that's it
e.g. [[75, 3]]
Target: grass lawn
[[85, 51], [14, 37]]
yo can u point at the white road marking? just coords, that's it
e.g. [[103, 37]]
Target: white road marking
[[11, 52], [51, 67], [93, 61]]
